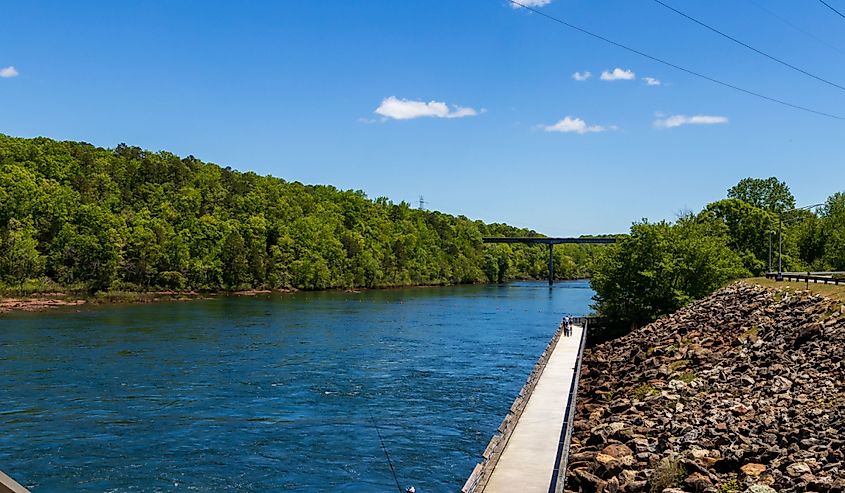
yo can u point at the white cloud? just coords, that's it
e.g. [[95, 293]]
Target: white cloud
[[531, 3], [575, 125], [405, 109], [651, 81], [678, 120], [618, 74], [9, 71], [581, 76]]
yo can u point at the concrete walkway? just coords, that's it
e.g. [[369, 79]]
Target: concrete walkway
[[9, 485], [528, 459]]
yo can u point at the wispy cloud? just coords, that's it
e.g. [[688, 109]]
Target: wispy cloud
[[651, 81], [618, 74], [575, 125], [678, 120], [531, 3], [406, 109], [7, 72], [581, 76]]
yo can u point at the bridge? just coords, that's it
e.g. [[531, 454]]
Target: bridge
[[538, 240]]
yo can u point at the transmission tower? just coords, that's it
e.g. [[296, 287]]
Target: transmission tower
[[422, 203]]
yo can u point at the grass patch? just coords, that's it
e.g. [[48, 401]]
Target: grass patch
[[668, 473], [643, 391], [687, 376], [678, 364], [751, 334], [830, 290], [729, 486]]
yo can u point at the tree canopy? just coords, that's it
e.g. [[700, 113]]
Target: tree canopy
[[662, 266], [90, 218], [770, 194]]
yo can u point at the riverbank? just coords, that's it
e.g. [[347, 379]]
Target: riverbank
[[741, 391], [39, 301], [46, 301]]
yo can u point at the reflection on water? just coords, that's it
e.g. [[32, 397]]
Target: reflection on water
[[270, 393]]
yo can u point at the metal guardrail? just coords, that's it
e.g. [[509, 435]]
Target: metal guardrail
[[558, 482], [816, 278], [812, 273]]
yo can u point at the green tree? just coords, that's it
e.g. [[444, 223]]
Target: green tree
[[661, 267], [833, 231], [20, 259], [750, 229], [766, 193]]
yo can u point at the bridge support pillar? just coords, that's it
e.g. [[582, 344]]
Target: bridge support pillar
[[551, 264]]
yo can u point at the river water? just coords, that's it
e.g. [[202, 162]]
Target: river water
[[270, 393]]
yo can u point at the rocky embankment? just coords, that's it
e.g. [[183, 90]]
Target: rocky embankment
[[741, 391]]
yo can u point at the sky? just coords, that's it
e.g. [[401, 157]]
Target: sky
[[486, 110]]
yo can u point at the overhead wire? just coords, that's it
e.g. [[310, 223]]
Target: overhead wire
[[746, 45], [795, 26], [678, 67], [831, 8]]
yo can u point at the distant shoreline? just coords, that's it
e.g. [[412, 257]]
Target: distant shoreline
[[37, 302]]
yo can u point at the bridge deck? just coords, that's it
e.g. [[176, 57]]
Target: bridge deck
[[544, 240], [528, 460]]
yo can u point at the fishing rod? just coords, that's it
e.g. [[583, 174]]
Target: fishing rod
[[381, 440]]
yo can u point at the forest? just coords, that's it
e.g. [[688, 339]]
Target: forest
[[84, 219], [661, 266], [80, 218]]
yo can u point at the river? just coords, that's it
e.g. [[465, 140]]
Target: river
[[270, 393]]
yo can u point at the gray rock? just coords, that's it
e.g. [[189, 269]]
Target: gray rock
[[760, 488]]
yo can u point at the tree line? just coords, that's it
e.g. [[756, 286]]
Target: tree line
[[661, 266], [83, 218]]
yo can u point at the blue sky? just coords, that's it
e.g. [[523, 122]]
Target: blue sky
[[292, 89]]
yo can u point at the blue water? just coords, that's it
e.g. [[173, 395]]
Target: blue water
[[270, 393]]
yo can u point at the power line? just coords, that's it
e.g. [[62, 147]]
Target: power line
[[678, 67], [796, 27], [833, 9], [755, 50]]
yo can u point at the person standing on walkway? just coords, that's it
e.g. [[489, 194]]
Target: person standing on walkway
[[567, 326]]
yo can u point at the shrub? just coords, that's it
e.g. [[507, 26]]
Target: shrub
[[668, 473]]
